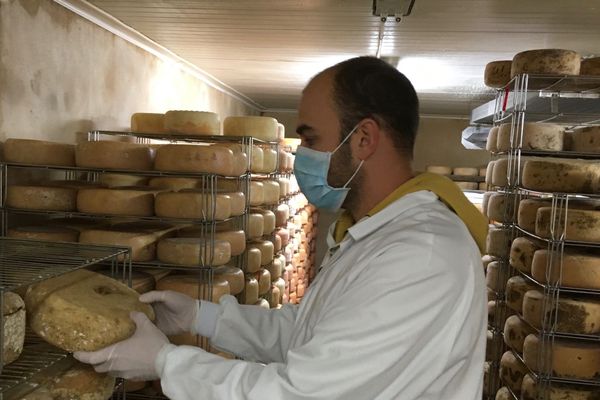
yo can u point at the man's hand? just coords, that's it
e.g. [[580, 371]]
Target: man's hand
[[176, 313], [132, 358]]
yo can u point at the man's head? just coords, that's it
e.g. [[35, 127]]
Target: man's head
[[367, 94]]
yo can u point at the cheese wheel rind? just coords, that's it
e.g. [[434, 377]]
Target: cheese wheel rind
[[195, 158], [114, 155], [546, 61], [192, 123], [39, 152], [45, 198], [497, 73]]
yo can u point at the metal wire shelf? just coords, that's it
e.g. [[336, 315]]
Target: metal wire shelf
[[555, 154], [574, 243], [568, 85], [173, 137]]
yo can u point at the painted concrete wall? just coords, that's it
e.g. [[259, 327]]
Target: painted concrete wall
[[60, 74]]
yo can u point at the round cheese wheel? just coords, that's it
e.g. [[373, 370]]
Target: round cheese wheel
[[561, 175], [13, 326], [521, 254], [83, 310], [465, 171], [266, 250], [498, 242], [238, 202], [270, 158], [492, 276], [262, 128], [193, 251], [512, 371], [489, 172], [250, 293], [264, 303], [546, 62], [492, 140], [189, 203], [148, 123], [252, 259], [282, 215], [567, 358], [439, 169], [276, 268], [115, 155], [236, 240], [116, 202], [44, 232], [565, 315], [590, 66], [497, 73], [79, 382], [536, 136], [586, 139], [527, 213], [233, 275], [174, 184], [500, 173], [118, 180], [192, 286], [270, 192], [39, 152], [556, 391], [284, 187], [582, 225], [268, 220], [264, 281], [501, 206], [516, 287], [256, 159], [504, 394], [192, 123], [143, 244], [486, 259], [255, 226], [241, 161], [41, 198], [274, 297], [515, 332], [277, 243], [195, 158], [578, 270], [284, 234], [257, 193]]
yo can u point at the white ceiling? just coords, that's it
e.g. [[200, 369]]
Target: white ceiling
[[268, 49]]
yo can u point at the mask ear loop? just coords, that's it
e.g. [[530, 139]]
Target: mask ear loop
[[354, 174], [346, 138]]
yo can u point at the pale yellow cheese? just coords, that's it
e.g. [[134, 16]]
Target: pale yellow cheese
[[143, 244], [270, 192], [266, 250], [193, 286], [439, 169], [500, 173], [274, 297], [465, 171], [276, 268], [190, 203], [238, 202], [192, 123], [578, 270], [195, 158], [263, 303], [148, 123], [236, 239], [536, 136], [115, 155], [284, 187], [250, 293], [44, 198], [546, 62], [489, 172], [44, 232], [515, 332], [561, 175], [252, 259], [570, 315], [263, 128], [582, 225], [282, 215], [12, 318], [512, 371], [116, 202], [118, 180], [467, 185], [193, 251], [270, 159], [80, 382], [39, 152], [527, 213], [264, 281], [240, 156], [586, 140], [521, 253], [567, 358], [268, 219], [492, 276], [256, 159], [492, 140], [233, 275], [497, 73], [257, 193], [516, 287]]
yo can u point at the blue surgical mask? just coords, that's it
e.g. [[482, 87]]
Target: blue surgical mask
[[311, 168]]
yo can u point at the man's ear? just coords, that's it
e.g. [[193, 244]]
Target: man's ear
[[366, 139]]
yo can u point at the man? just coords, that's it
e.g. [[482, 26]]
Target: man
[[397, 310]]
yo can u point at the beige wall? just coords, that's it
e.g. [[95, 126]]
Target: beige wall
[[60, 74]]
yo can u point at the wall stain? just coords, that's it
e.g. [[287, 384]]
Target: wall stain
[[36, 82], [31, 6]]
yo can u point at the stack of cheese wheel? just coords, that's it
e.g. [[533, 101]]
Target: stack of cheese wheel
[[466, 172], [192, 123]]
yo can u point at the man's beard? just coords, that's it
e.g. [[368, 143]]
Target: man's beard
[[341, 170]]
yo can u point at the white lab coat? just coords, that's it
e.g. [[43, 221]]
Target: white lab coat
[[397, 311]]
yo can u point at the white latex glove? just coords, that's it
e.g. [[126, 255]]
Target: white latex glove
[[132, 358], [175, 312]]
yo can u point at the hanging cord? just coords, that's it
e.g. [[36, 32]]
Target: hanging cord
[[380, 36]]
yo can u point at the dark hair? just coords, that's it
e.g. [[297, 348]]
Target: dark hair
[[367, 87]]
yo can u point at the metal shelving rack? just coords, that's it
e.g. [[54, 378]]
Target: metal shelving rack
[[25, 262], [571, 101]]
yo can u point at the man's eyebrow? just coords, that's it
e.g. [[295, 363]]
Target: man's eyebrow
[[303, 129]]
